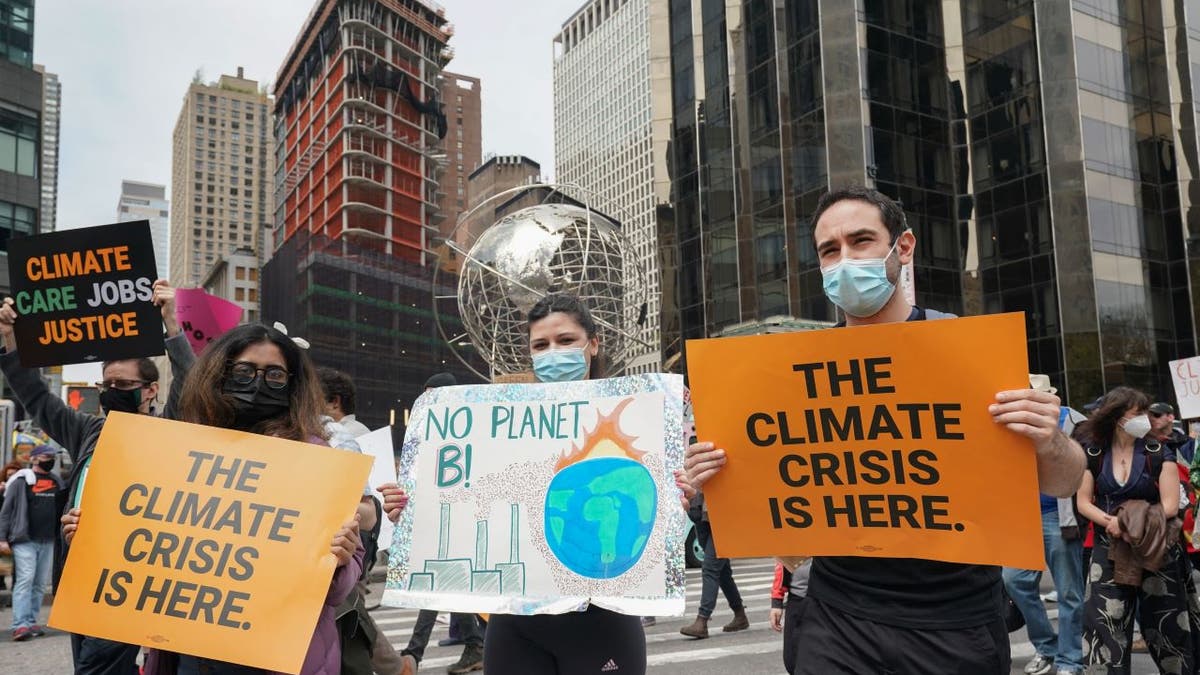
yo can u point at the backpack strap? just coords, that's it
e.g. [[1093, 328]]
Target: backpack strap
[[1095, 461], [1154, 457]]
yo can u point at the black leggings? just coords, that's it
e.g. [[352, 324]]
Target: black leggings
[[578, 643]]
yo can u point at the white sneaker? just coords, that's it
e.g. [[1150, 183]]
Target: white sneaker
[[1052, 596], [1039, 665]]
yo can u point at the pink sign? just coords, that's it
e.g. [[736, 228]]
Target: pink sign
[[203, 317]]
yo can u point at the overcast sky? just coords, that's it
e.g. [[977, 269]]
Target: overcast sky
[[125, 66]]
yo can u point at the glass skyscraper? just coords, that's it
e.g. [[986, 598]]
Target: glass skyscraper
[[1043, 153]]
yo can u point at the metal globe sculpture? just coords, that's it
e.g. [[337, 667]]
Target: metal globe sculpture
[[543, 249]]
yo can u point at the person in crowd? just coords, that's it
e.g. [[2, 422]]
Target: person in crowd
[[717, 573], [130, 386], [1131, 492], [469, 626], [340, 400], [1062, 543], [870, 615], [787, 605], [565, 346], [256, 379], [28, 529], [365, 648], [6, 560], [1162, 429]]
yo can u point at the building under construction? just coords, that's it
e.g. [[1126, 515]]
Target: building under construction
[[359, 155]]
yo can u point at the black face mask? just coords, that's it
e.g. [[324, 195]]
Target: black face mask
[[120, 400], [255, 402], [46, 465]]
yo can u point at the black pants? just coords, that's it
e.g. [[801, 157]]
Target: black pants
[[472, 632], [96, 656], [596, 642], [792, 612], [1166, 608], [831, 641]]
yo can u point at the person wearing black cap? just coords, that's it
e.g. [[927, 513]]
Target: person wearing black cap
[[1162, 428], [28, 528], [468, 625]]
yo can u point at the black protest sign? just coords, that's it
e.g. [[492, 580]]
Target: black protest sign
[[85, 295]]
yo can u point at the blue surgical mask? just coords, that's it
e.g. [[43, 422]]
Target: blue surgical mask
[[860, 286], [560, 365]]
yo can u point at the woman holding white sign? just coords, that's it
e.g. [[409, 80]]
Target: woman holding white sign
[[565, 347]]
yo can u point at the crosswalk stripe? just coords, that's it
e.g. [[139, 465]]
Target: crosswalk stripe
[[690, 655]]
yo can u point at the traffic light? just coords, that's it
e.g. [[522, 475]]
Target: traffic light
[[83, 398]]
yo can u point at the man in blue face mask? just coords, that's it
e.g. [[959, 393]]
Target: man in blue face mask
[[870, 615]]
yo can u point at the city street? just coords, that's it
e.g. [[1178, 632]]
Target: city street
[[755, 651]]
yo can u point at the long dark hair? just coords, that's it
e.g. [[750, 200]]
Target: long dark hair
[[578, 310], [203, 402], [1101, 427]]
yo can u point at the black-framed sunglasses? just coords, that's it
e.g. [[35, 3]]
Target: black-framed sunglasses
[[244, 372], [123, 385]]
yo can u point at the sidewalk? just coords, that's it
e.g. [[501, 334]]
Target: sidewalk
[[47, 655]]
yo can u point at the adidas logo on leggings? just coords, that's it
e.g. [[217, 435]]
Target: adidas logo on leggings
[[609, 667]]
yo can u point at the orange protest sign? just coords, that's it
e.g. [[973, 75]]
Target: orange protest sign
[[206, 541], [870, 441]]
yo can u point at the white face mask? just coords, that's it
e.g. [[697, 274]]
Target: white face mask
[[1137, 426]]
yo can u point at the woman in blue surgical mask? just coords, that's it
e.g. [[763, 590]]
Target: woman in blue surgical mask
[[563, 340], [1127, 470], [565, 347]]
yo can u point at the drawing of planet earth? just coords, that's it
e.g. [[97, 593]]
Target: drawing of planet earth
[[599, 515]]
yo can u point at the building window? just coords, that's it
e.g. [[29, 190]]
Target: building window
[[239, 294], [254, 274], [15, 221], [240, 273], [18, 143], [253, 295], [16, 32]]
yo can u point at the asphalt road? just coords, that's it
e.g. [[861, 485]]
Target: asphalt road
[[755, 651]]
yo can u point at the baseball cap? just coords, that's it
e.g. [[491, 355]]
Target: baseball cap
[[1041, 383], [1161, 408], [1091, 407], [43, 449]]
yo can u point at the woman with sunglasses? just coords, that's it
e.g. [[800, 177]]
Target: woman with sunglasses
[[256, 379]]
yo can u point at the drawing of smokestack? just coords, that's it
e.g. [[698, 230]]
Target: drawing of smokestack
[[444, 533], [481, 544], [514, 550]]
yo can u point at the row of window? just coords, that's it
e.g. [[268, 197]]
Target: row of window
[[18, 143]]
